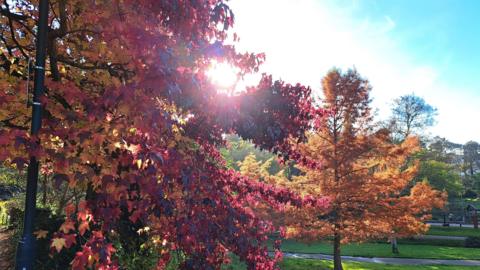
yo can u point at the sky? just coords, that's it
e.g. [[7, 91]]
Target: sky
[[426, 47]]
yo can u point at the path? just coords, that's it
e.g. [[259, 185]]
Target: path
[[7, 252], [440, 237], [451, 224], [402, 261]]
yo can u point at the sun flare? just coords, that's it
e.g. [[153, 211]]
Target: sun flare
[[223, 75]]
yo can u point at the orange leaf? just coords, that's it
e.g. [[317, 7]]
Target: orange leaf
[[41, 234], [83, 227]]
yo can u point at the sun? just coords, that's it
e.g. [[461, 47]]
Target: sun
[[223, 75]]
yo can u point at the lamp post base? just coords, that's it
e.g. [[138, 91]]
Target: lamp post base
[[25, 252]]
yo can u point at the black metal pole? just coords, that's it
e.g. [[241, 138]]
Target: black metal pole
[[26, 246]]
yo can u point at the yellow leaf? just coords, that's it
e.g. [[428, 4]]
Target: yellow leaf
[[67, 226], [41, 234], [58, 243], [139, 163]]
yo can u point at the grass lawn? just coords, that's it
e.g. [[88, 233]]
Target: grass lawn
[[384, 250], [431, 242], [453, 231], [304, 264]]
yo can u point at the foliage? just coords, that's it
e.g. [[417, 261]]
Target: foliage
[[362, 171], [411, 115], [234, 264], [441, 176], [48, 224], [9, 177], [472, 242], [250, 167], [11, 214], [144, 258], [476, 181], [471, 158], [45, 226], [236, 150], [132, 121]]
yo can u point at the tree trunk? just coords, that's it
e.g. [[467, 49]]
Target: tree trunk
[[63, 201], [393, 240], [475, 219], [44, 194], [337, 259]]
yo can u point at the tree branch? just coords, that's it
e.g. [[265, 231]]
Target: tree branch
[[12, 32], [6, 12]]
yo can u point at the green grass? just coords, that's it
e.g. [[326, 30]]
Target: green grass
[[304, 264], [384, 250], [453, 231], [307, 264], [431, 242]]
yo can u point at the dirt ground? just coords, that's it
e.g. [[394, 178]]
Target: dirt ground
[[7, 251]]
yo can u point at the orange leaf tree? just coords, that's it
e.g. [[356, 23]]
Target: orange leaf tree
[[131, 119], [365, 174]]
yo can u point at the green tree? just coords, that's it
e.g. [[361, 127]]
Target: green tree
[[471, 162], [238, 149], [442, 176]]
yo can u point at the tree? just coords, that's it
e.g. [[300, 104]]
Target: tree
[[443, 150], [410, 115], [237, 150], [250, 166], [440, 165], [441, 176], [471, 158], [132, 121], [362, 171]]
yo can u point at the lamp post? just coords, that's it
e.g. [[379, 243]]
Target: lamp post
[[25, 257]]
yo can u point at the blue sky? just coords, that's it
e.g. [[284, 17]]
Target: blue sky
[[428, 47]]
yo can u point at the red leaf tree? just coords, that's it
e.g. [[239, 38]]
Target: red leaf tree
[[132, 119]]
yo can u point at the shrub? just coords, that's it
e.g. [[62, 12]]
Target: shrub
[[10, 213], [472, 242]]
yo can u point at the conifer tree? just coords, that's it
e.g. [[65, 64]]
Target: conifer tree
[[364, 173]]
